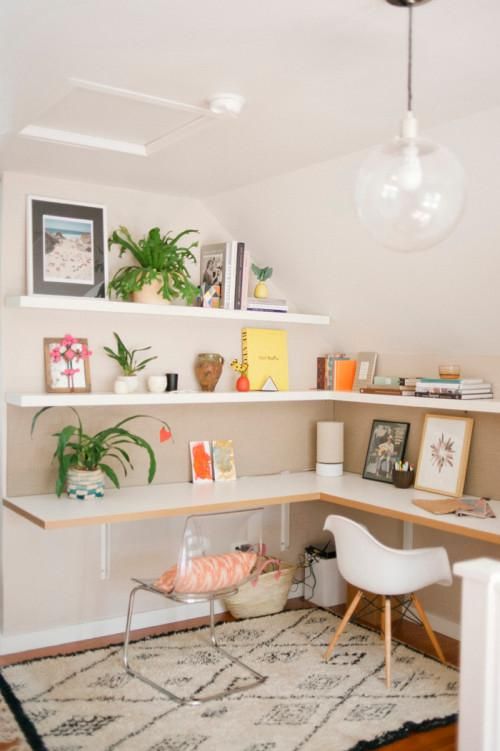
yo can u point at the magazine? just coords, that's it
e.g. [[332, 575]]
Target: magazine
[[466, 506]]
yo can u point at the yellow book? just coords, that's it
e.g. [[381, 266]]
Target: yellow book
[[266, 352]]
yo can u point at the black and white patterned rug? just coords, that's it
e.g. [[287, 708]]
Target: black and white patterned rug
[[86, 701]]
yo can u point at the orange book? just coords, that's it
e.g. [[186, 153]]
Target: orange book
[[343, 374]]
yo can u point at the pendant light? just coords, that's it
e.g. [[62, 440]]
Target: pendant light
[[410, 192]]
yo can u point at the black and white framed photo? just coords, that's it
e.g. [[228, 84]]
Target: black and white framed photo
[[386, 447], [66, 248]]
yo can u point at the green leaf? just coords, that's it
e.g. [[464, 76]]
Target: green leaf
[[110, 473]]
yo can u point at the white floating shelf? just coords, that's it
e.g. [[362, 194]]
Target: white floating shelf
[[168, 398], [249, 397], [93, 305]]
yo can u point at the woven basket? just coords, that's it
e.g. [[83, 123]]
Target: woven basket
[[268, 596]]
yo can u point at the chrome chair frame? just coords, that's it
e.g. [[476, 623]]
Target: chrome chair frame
[[210, 597]]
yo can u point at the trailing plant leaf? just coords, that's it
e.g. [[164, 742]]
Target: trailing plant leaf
[[75, 448]]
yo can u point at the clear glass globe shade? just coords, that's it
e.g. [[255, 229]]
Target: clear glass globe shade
[[410, 193]]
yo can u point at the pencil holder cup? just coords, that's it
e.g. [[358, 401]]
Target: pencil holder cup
[[403, 478]]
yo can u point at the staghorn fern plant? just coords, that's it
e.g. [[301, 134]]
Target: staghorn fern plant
[[160, 257]]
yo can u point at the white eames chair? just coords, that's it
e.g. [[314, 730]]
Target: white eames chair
[[372, 567]]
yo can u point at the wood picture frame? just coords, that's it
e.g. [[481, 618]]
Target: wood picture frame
[[66, 375], [386, 446], [444, 453], [365, 369], [67, 248]]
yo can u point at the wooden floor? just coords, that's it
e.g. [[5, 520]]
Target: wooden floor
[[441, 739]]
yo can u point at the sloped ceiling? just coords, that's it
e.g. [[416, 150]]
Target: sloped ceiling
[[321, 79]]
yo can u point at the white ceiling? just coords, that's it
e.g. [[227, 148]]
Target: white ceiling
[[321, 78]]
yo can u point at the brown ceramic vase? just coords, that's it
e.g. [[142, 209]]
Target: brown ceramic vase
[[208, 367]]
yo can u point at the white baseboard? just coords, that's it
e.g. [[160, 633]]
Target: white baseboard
[[90, 630], [177, 612]]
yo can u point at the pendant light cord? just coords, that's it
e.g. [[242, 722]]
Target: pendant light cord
[[410, 56]]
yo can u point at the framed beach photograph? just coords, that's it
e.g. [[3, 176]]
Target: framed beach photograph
[[66, 246], [444, 453], [67, 368], [386, 447]]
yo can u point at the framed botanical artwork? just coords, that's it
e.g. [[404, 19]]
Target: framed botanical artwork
[[365, 369], [201, 461], [66, 248], [386, 447], [444, 452], [67, 368]]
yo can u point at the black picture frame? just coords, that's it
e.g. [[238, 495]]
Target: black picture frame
[[386, 446], [66, 246]]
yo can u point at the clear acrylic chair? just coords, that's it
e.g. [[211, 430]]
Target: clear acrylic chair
[[372, 567], [204, 535]]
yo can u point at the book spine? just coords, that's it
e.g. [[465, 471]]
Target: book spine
[[386, 391], [245, 279], [229, 275], [321, 373], [330, 365], [240, 257]]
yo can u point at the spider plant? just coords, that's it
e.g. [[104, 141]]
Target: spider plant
[[77, 449], [126, 358], [159, 257]]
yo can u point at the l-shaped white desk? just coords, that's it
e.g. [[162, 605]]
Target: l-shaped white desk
[[154, 501]]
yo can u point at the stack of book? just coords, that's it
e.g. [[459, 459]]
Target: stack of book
[[456, 388], [335, 372], [391, 385], [224, 275], [267, 304]]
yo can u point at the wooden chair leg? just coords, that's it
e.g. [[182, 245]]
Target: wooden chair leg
[[428, 628], [382, 617], [343, 623], [387, 629]]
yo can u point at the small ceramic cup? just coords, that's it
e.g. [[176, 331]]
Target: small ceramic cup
[[172, 381], [157, 383]]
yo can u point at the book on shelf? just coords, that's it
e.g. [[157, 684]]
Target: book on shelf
[[442, 388], [242, 267], [265, 351], [388, 390], [379, 380], [344, 372], [270, 305], [219, 263], [452, 381], [456, 395], [325, 370]]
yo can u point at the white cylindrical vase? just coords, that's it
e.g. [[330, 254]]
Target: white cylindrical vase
[[329, 449]]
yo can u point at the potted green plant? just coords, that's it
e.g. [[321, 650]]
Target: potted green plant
[[161, 274], [262, 274], [80, 456], [127, 360]]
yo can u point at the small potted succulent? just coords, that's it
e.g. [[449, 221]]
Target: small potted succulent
[[126, 359], [80, 456], [262, 274], [160, 273]]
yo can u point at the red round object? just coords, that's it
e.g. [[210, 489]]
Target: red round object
[[243, 384]]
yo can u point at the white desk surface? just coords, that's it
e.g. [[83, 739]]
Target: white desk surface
[[175, 499]]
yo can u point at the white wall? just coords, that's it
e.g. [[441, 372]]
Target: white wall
[[52, 579], [444, 300]]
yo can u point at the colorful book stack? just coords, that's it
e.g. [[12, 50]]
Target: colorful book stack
[[391, 385], [335, 372], [454, 388], [224, 275], [268, 305]]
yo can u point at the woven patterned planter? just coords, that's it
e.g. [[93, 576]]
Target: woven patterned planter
[[82, 484], [268, 596]]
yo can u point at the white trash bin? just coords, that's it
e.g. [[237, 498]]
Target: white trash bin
[[323, 584]]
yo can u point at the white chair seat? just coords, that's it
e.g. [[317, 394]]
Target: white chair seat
[[370, 566]]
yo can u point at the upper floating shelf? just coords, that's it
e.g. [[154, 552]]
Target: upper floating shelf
[[93, 305]]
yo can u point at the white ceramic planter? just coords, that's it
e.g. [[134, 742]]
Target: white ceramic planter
[[85, 484], [150, 294], [126, 384]]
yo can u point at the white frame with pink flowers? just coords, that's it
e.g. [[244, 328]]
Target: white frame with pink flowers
[[75, 383]]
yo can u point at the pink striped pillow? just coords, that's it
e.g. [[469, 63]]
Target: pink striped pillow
[[208, 573]]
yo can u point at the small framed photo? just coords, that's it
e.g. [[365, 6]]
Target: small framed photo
[[66, 248], [213, 260], [67, 368], [386, 447], [444, 453], [223, 460], [365, 369], [201, 461]]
